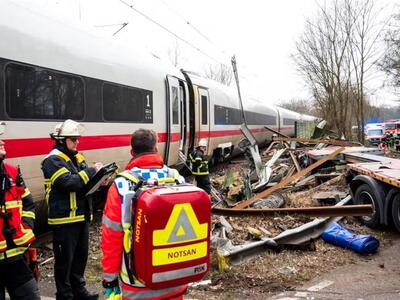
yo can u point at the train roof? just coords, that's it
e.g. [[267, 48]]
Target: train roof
[[250, 103], [31, 37], [295, 115]]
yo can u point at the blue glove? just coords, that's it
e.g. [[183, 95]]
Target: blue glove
[[113, 292]]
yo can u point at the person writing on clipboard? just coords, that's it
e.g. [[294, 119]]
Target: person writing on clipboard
[[66, 174]]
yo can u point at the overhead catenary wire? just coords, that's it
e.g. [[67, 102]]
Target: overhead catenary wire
[[171, 32], [187, 22], [122, 27], [110, 25], [179, 37]]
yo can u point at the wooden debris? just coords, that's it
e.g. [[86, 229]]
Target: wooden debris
[[328, 197], [320, 178], [296, 163], [288, 180], [265, 231]]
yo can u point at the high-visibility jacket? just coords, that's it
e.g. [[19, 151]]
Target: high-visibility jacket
[[17, 214], [64, 178], [147, 166], [199, 162]]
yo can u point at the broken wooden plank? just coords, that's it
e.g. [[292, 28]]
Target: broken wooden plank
[[296, 163], [305, 181], [288, 180], [320, 178], [290, 172], [315, 141]]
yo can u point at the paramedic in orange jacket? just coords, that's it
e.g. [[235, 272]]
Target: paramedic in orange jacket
[[17, 215], [148, 164]]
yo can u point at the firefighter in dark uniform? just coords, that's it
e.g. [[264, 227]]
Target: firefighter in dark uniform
[[17, 214], [200, 166], [65, 174]]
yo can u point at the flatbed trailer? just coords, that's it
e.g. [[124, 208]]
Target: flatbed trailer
[[377, 183]]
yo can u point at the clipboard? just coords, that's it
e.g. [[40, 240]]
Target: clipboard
[[100, 177]]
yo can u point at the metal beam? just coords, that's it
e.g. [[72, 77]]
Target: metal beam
[[318, 211]]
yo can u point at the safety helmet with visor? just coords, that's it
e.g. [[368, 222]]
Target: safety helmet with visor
[[67, 129]]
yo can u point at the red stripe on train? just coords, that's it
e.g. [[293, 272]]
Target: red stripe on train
[[41, 146]]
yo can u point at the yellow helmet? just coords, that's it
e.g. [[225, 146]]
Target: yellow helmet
[[68, 128]]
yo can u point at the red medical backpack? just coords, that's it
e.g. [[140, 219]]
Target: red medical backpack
[[171, 235]]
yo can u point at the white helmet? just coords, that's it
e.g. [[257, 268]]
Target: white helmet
[[68, 128], [203, 143]]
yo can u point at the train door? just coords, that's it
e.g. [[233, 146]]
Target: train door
[[204, 116], [175, 135], [184, 117]]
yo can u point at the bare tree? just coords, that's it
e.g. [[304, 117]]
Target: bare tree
[[390, 62], [365, 31], [334, 54], [221, 73], [299, 105]]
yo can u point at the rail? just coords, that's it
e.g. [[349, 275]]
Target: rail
[[319, 211]]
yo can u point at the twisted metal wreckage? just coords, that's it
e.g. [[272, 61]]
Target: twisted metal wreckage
[[258, 189]]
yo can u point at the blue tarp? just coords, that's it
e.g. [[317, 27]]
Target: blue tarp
[[340, 236]]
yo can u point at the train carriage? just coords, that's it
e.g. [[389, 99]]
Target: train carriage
[[51, 71]]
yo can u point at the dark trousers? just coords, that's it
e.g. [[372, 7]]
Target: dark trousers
[[203, 182], [17, 278], [70, 247]]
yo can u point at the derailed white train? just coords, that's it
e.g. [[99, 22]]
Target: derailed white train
[[51, 71]]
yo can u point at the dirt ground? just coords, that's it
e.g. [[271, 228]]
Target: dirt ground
[[266, 275], [270, 273]]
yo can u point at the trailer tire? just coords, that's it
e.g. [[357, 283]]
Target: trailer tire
[[366, 195], [396, 212]]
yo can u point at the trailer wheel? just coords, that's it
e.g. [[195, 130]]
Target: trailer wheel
[[366, 195], [396, 212]]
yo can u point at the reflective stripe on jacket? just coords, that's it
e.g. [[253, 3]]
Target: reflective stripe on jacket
[[20, 208], [148, 166], [199, 162], [64, 180]]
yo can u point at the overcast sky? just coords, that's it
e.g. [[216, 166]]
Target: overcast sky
[[262, 34]]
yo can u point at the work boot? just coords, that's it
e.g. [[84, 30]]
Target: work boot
[[84, 294]]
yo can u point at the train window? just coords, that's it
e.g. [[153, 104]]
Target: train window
[[220, 115], [233, 116], [288, 121], [254, 118], [175, 105], [127, 104], [204, 114], [38, 93]]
